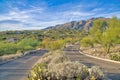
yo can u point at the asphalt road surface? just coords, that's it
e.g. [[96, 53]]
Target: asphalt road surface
[[18, 69], [111, 70]]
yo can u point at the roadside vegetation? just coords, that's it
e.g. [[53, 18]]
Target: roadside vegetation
[[12, 42], [56, 66], [7, 48], [104, 34]]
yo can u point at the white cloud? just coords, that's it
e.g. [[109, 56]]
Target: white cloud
[[18, 26], [22, 16], [78, 13], [98, 9], [40, 17], [8, 26], [109, 15], [14, 16]]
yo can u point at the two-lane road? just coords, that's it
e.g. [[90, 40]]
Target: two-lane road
[[112, 70], [18, 69]]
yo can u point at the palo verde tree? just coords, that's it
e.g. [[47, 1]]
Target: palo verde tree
[[95, 33], [97, 29], [111, 36], [104, 32]]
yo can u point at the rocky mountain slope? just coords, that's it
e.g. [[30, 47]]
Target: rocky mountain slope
[[78, 25]]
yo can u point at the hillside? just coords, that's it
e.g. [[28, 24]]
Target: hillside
[[77, 25]]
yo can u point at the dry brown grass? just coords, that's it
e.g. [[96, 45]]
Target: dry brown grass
[[5, 58]]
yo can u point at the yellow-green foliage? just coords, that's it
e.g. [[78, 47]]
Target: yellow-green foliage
[[68, 40], [7, 48], [71, 40], [97, 29], [104, 32], [38, 72], [27, 44], [53, 44], [26, 40], [92, 78], [12, 48], [111, 36], [56, 44], [87, 41]]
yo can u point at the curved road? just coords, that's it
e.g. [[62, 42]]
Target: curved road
[[112, 70], [18, 69]]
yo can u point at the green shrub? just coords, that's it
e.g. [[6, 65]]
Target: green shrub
[[7, 48], [38, 72], [28, 48], [12, 48], [115, 56], [53, 44], [86, 42], [27, 44]]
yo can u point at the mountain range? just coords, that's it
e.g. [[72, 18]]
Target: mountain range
[[77, 25]]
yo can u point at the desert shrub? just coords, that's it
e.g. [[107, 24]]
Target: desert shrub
[[56, 66], [66, 70], [86, 42], [7, 48], [60, 71], [38, 72], [58, 44], [52, 44], [68, 40], [12, 48], [96, 73], [115, 56], [28, 48], [27, 44]]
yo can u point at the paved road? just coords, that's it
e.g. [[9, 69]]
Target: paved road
[[112, 70], [18, 69]]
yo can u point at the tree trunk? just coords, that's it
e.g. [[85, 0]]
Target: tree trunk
[[108, 48]]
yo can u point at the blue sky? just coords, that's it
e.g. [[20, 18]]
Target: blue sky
[[38, 14]]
